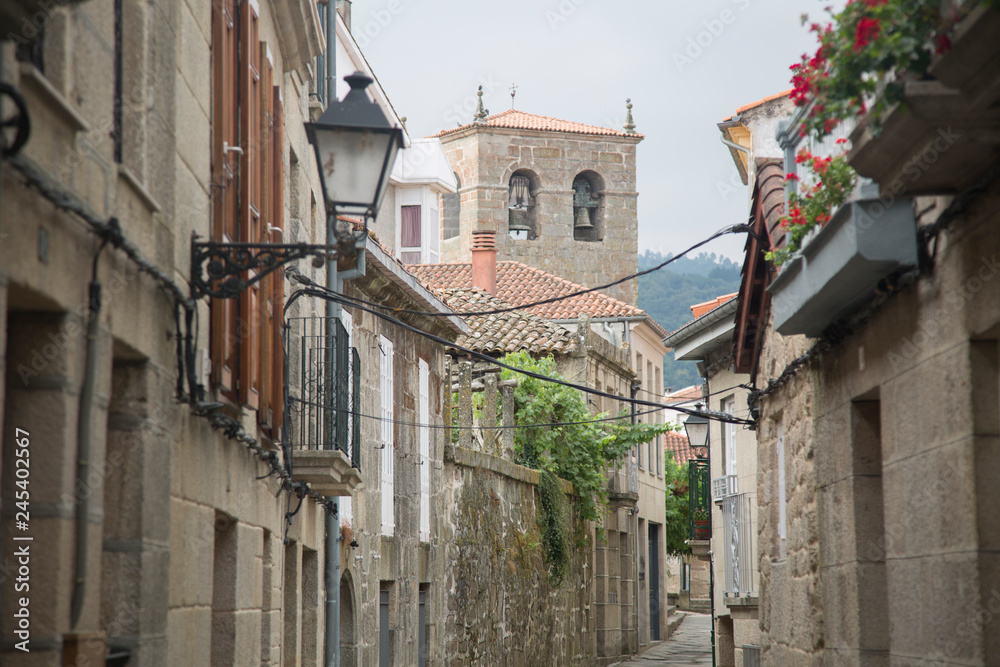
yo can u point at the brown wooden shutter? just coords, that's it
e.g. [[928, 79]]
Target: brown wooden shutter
[[250, 115], [224, 186], [265, 350], [278, 288]]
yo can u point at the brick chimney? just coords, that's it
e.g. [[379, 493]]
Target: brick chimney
[[484, 261]]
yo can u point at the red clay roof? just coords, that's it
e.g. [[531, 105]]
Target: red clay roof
[[519, 120], [678, 444], [700, 309], [518, 284], [684, 395], [505, 332]]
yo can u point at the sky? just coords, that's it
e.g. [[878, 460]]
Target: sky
[[685, 65]]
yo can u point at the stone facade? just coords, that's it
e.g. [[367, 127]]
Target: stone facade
[[485, 158]]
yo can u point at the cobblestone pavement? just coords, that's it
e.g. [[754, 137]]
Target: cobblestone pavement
[[689, 645]]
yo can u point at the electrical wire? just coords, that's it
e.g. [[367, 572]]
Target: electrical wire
[[357, 301], [441, 427], [333, 296]]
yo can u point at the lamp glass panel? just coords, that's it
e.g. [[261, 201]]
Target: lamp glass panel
[[351, 165]]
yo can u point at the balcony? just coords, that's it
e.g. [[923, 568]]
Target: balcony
[[700, 527], [325, 374], [738, 530], [841, 266], [722, 487]]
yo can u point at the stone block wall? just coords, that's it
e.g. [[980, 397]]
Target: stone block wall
[[484, 160]]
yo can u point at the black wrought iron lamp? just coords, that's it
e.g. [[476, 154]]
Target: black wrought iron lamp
[[355, 149], [355, 146], [696, 428]]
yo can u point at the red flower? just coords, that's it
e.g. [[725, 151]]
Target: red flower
[[868, 29], [802, 157], [829, 124], [876, 3], [791, 177], [842, 140], [943, 43]]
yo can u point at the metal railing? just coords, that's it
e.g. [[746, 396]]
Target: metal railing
[[699, 499], [324, 386], [737, 526], [722, 487]]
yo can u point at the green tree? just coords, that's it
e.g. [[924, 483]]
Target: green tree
[[569, 444], [678, 518]]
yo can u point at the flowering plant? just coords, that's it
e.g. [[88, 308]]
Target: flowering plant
[[833, 182], [858, 48]]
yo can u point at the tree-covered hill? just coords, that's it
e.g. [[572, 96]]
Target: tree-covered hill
[[669, 293]]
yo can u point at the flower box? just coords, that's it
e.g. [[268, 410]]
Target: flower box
[[839, 269], [935, 142]]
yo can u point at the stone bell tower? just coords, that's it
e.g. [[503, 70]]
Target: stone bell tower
[[560, 195]]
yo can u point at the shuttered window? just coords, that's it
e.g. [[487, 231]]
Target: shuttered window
[[346, 504], [248, 207], [423, 419], [388, 447]]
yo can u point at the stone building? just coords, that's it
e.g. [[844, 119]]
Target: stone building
[[877, 400], [560, 196]]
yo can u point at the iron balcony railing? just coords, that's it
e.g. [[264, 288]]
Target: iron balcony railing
[[737, 526], [324, 387], [699, 499], [722, 487]]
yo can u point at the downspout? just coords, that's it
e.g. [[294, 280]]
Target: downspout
[[635, 579], [331, 653], [83, 433]]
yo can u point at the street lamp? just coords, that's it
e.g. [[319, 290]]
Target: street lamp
[[355, 148], [696, 427]]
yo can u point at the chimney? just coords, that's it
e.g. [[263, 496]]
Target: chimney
[[344, 9], [484, 261]]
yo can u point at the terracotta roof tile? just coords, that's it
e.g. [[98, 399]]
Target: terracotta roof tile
[[505, 332], [684, 395], [518, 284], [678, 444], [519, 120], [699, 309], [747, 107]]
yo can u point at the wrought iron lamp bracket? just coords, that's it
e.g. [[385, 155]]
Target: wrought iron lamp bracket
[[225, 270]]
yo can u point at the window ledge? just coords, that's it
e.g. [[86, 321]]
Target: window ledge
[[32, 79], [133, 181]]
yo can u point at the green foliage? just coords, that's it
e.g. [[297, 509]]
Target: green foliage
[[678, 510], [668, 294], [555, 526], [574, 447]]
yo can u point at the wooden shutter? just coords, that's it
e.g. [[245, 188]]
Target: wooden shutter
[[224, 187], [424, 418], [277, 292], [250, 115], [265, 341], [388, 446]]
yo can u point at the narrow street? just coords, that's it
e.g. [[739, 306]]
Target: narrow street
[[689, 645]]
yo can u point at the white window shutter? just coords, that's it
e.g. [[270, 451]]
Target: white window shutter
[[388, 448], [346, 504], [425, 451]]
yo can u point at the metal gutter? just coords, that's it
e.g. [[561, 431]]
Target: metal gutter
[[702, 323]]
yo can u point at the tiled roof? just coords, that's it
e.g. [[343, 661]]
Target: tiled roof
[[518, 284], [505, 332], [680, 446], [684, 395], [519, 120], [700, 309]]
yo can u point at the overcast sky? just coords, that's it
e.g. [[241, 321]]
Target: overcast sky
[[685, 65]]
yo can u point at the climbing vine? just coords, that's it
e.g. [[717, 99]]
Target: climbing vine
[[571, 446]]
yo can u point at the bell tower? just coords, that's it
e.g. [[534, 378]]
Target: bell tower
[[559, 195]]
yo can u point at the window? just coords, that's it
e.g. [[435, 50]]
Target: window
[[522, 223], [388, 447], [588, 207], [410, 237], [383, 624], [424, 418], [247, 206]]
